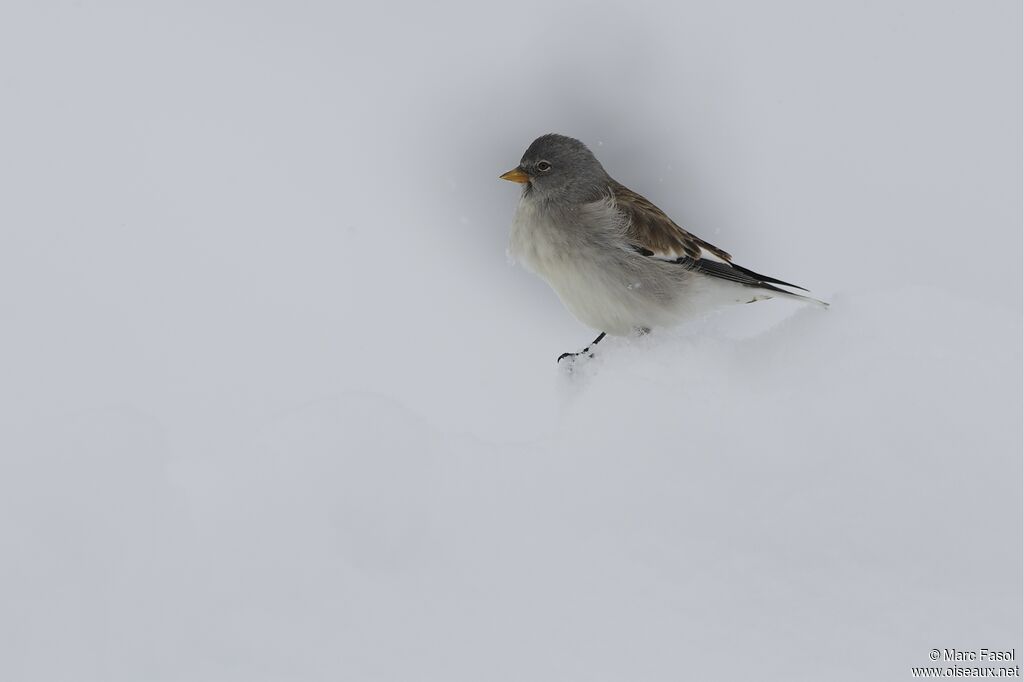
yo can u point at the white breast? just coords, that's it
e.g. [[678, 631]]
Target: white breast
[[581, 257]]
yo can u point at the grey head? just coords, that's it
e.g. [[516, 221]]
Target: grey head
[[560, 169]]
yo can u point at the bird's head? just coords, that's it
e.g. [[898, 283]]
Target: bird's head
[[560, 169]]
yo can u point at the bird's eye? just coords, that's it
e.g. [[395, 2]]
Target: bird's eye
[[544, 166]]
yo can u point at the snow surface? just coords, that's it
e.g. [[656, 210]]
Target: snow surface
[[273, 406]]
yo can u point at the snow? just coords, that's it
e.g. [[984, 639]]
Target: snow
[[273, 406]]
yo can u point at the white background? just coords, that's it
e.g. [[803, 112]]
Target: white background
[[274, 406]]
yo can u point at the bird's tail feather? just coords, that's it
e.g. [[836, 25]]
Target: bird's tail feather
[[789, 294], [748, 278]]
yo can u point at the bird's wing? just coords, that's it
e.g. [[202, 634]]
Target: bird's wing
[[651, 229], [653, 234]]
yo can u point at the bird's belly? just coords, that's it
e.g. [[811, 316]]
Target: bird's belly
[[602, 284], [594, 286], [598, 300]]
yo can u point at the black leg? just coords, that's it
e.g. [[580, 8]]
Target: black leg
[[584, 351]]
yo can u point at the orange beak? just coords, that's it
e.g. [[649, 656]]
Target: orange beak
[[515, 175]]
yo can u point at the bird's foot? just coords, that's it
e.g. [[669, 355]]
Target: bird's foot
[[571, 358], [570, 361]]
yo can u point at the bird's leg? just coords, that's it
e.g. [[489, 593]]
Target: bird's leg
[[585, 351]]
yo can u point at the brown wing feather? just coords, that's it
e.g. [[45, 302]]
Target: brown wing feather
[[650, 228]]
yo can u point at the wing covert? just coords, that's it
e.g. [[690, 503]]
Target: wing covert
[[650, 228]]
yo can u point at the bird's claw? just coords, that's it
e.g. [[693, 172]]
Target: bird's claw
[[586, 351], [572, 357]]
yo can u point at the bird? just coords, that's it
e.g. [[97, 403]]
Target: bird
[[619, 264]]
